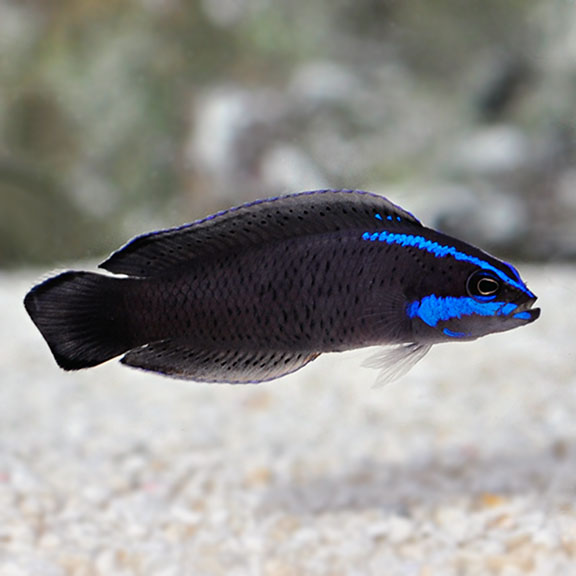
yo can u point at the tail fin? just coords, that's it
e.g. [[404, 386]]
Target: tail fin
[[82, 318]]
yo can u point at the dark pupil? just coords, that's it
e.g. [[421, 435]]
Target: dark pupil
[[487, 286]]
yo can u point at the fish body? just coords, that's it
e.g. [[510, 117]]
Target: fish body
[[258, 291]]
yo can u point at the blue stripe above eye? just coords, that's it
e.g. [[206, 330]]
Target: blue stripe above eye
[[441, 251], [433, 309]]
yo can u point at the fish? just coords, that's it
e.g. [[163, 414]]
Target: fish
[[258, 291]]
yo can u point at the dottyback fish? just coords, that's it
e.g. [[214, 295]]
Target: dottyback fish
[[258, 291]]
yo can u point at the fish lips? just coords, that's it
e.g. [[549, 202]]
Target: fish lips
[[524, 312]]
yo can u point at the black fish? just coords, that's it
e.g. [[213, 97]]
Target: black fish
[[258, 291]]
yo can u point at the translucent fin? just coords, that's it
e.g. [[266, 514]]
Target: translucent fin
[[177, 359], [388, 315], [252, 224], [396, 361]]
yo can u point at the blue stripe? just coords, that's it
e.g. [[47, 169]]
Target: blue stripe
[[507, 309], [454, 334], [441, 251], [433, 309], [514, 271], [523, 316]]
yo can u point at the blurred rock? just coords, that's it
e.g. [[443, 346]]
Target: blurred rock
[[156, 112], [321, 82], [489, 152], [225, 13], [40, 222], [513, 194], [507, 80], [483, 216], [241, 149], [287, 168]]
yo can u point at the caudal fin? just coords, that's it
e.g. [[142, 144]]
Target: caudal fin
[[81, 317]]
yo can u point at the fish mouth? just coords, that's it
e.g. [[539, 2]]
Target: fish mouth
[[525, 312]]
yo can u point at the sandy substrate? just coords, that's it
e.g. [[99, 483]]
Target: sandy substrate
[[465, 467]]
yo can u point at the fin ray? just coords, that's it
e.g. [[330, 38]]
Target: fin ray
[[80, 315], [395, 361]]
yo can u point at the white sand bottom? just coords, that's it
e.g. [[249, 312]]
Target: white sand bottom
[[467, 466]]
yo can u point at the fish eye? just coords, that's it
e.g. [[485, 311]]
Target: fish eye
[[483, 285]]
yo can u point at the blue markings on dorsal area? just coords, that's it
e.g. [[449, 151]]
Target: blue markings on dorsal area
[[441, 251], [389, 217], [379, 217], [433, 309]]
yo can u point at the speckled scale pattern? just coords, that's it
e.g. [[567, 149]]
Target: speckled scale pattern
[[251, 224], [303, 294], [177, 359]]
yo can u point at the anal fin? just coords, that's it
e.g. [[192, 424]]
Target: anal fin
[[178, 359]]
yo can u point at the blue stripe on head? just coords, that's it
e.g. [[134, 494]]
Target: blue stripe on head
[[523, 316], [433, 309], [441, 251], [514, 271]]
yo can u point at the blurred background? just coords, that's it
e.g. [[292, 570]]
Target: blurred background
[[121, 116]]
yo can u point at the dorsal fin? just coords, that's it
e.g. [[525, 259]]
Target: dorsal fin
[[291, 216]]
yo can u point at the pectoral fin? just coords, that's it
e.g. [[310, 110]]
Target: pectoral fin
[[395, 361]]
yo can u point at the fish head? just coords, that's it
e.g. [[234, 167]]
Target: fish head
[[484, 296]]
